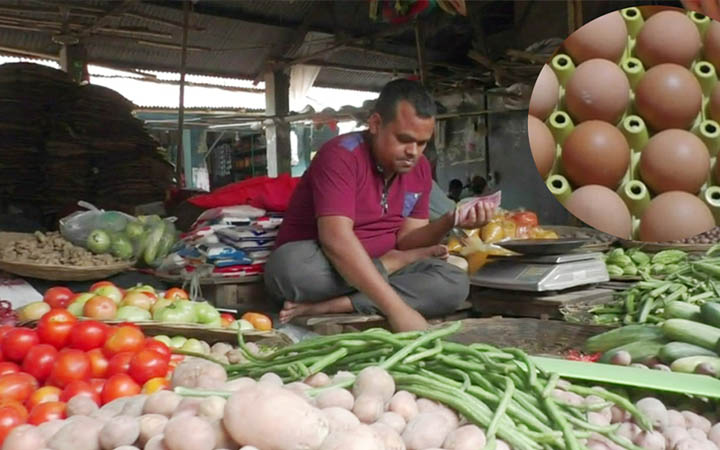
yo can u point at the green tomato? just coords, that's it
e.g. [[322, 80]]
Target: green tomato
[[159, 306], [242, 325], [193, 345], [185, 305], [176, 314], [178, 341], [132, 314], [217, 323], [164, 339], [206, 313], [76, 308]]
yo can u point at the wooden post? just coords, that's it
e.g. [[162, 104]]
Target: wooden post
[[277, 104], [420, 44], [180, 166], [73, 60]]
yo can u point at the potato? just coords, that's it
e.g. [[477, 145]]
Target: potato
[[596, 418], [688, 444], [424, 405], [222, 438], [673, 435], [394, 420], [110, 410], [391, 438], [49, 428], [188, 407], [302, 426], [239, 383], [362, 437], [468, 437], [121, 430], [156, 443], [221, 348], [162, 402], [675, 419], [199, 373], [714, 434], [249, 447], [652, 440], [211, 408], [368, 407], [449, 414], [151, 425], [189, 433], [404, 404], [300, 389], [709, 445], [697, 434], [271, 378], [134, 406], [252, 348], [318, 380], [568, 397], [127, 447], [374, 380], [342, 376], [82, 433], [81, 405], [235, 356], [426, 430], [619, 415], [655, 410], [696, 421], [338, 397], [340, 419], [24, 437], [629, 430]]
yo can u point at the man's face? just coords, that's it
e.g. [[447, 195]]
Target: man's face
[[399, 144]]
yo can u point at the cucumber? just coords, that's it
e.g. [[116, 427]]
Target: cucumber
[[689, 363], [639, 351], [691, 332], [621, 336], [153, 244], [677, 350], [710, 313], [682, 310]]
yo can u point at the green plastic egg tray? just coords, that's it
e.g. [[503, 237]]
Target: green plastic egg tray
[[632, 189]]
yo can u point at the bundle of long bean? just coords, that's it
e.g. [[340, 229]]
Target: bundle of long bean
[[500, 390], [693, 280]]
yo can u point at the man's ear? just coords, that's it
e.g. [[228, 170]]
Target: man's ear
[[374, 123]]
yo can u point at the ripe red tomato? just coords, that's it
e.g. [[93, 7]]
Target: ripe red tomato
[[17, 386], [100, 284], [58, 297], [45, 412], [98, 363], [525, 219], [126, 338], [18, 342], [80, 388], [176, 294], [43, 395], [55, 327], [100, 308], [97, 384], [120, 385], [71, 365], [160, 347], [8, 367], [88, 334], [16, 405], [147, 364], [120, 363], [39, 361], [9, 419]]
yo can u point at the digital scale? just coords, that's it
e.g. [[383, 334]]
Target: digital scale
[[542, 272]]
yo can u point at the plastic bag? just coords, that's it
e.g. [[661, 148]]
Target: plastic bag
[[77, 227]]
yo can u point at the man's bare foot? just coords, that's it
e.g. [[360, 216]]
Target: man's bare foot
[[337, 305], [395, 260], [409, 320]]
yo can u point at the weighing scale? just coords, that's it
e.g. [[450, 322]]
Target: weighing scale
[[543, 271]]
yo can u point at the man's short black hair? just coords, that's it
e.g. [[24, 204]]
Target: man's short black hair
[[410, 91], [456, 184]]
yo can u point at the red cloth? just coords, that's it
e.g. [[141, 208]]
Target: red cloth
[[271, 194]]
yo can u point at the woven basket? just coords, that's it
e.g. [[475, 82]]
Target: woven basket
[[64, 273]]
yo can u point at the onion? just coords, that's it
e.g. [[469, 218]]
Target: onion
[[7, 315]]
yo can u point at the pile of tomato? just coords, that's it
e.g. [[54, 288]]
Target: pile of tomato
[[42, 369]]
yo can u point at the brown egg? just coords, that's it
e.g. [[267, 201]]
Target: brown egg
[[715, 103], [675, 215], [595, 152], [668, 96], [545, 93], [711, 49], [668, 37], [604, 37], [597, 90], [602, 209], [675, 160], [542, 145]]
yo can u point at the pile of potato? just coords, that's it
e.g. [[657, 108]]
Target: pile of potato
[[53, 249], [268, 415]]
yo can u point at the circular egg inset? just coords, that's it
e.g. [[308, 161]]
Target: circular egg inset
[[711, 49], [668, 37], [668, 96], [595, 152], [545, 93], [675, 160], [604, 37], [715, 103], [597, 90], [601, 208], [674, 216], [542, 145]]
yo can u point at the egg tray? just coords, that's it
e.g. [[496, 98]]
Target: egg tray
[[632, 190]]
